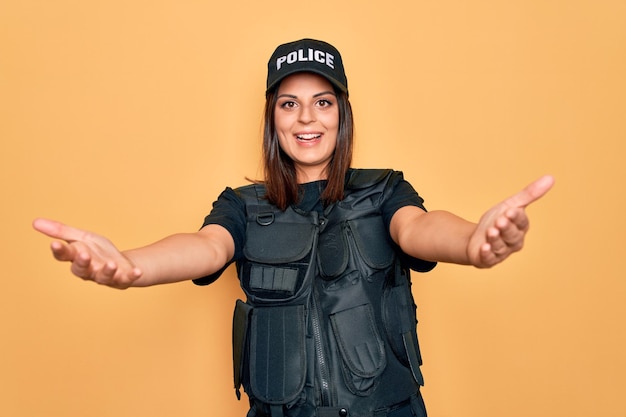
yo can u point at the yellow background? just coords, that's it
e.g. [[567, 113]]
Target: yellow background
[[128, 117]]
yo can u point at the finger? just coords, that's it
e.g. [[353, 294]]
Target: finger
[[81, 265], [112, 276], [109, 269], [512, 225], [532, 192], [487, 257], [62, 251], [106, 274], [513, 240], [517, 217], [496, 243], [58, 230]]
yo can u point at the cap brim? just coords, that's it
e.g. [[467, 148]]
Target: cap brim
[[285, 74]]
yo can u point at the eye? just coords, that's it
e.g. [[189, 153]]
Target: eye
[[324, 102], [287, 104]]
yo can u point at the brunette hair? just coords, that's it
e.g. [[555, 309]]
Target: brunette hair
[[280, 174]]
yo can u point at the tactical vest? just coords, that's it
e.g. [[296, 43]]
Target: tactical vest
[[329, 325]]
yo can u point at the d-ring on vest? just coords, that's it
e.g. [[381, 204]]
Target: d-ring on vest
[[329, 324]]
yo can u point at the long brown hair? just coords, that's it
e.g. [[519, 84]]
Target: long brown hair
[[280, 174]]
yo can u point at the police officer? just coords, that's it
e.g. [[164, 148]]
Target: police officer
[[323, 252]]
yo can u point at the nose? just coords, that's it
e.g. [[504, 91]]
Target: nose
[[307, 114]]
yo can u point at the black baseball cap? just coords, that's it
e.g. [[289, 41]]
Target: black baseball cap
[[306, 55]]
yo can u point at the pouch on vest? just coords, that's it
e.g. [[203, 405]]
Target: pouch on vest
[[270, 241], [361, 347], [241, 319], [277, 249], [400, 323], [367, 235], [277, 354], [370, 236]]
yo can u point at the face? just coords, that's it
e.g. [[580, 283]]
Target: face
[[306, 119]]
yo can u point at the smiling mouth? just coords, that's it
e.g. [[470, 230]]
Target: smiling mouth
[[306, 137]]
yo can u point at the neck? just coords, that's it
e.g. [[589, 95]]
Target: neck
[[310, 174]]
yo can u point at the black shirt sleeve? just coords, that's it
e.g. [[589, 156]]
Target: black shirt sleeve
[[229, 211], [403, 195]]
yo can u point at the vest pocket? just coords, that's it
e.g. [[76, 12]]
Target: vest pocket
[[277, 353], [241, 318], [332, 252], [361, 348], [361, 244], [278, 243], [400, 324], [277, 260], [371, 238]]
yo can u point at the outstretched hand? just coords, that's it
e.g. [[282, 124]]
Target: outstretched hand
[[502, 229], [93, 257]]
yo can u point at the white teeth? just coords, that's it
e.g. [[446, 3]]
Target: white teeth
[[308, 136]]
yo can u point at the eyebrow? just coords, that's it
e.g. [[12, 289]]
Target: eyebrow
[[314, 95]]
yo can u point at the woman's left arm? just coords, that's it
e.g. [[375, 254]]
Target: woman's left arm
[[444, 237]]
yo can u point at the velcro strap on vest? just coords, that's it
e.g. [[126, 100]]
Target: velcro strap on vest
[[273, 279], [331, 412]]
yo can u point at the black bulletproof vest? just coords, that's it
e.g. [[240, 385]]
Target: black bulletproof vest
[[329, 326]]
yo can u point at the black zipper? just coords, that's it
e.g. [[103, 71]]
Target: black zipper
[[322, 363]]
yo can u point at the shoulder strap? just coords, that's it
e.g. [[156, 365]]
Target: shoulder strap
[[252, 195], [357, 179]]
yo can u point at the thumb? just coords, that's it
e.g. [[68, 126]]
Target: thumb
[[532, 192], [58, 230]]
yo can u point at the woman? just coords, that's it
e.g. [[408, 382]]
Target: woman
[[323, 253]]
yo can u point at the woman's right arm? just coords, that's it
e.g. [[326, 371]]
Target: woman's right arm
[[178, 257]]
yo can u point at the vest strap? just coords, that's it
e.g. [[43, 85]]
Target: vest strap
[[277, 410]]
